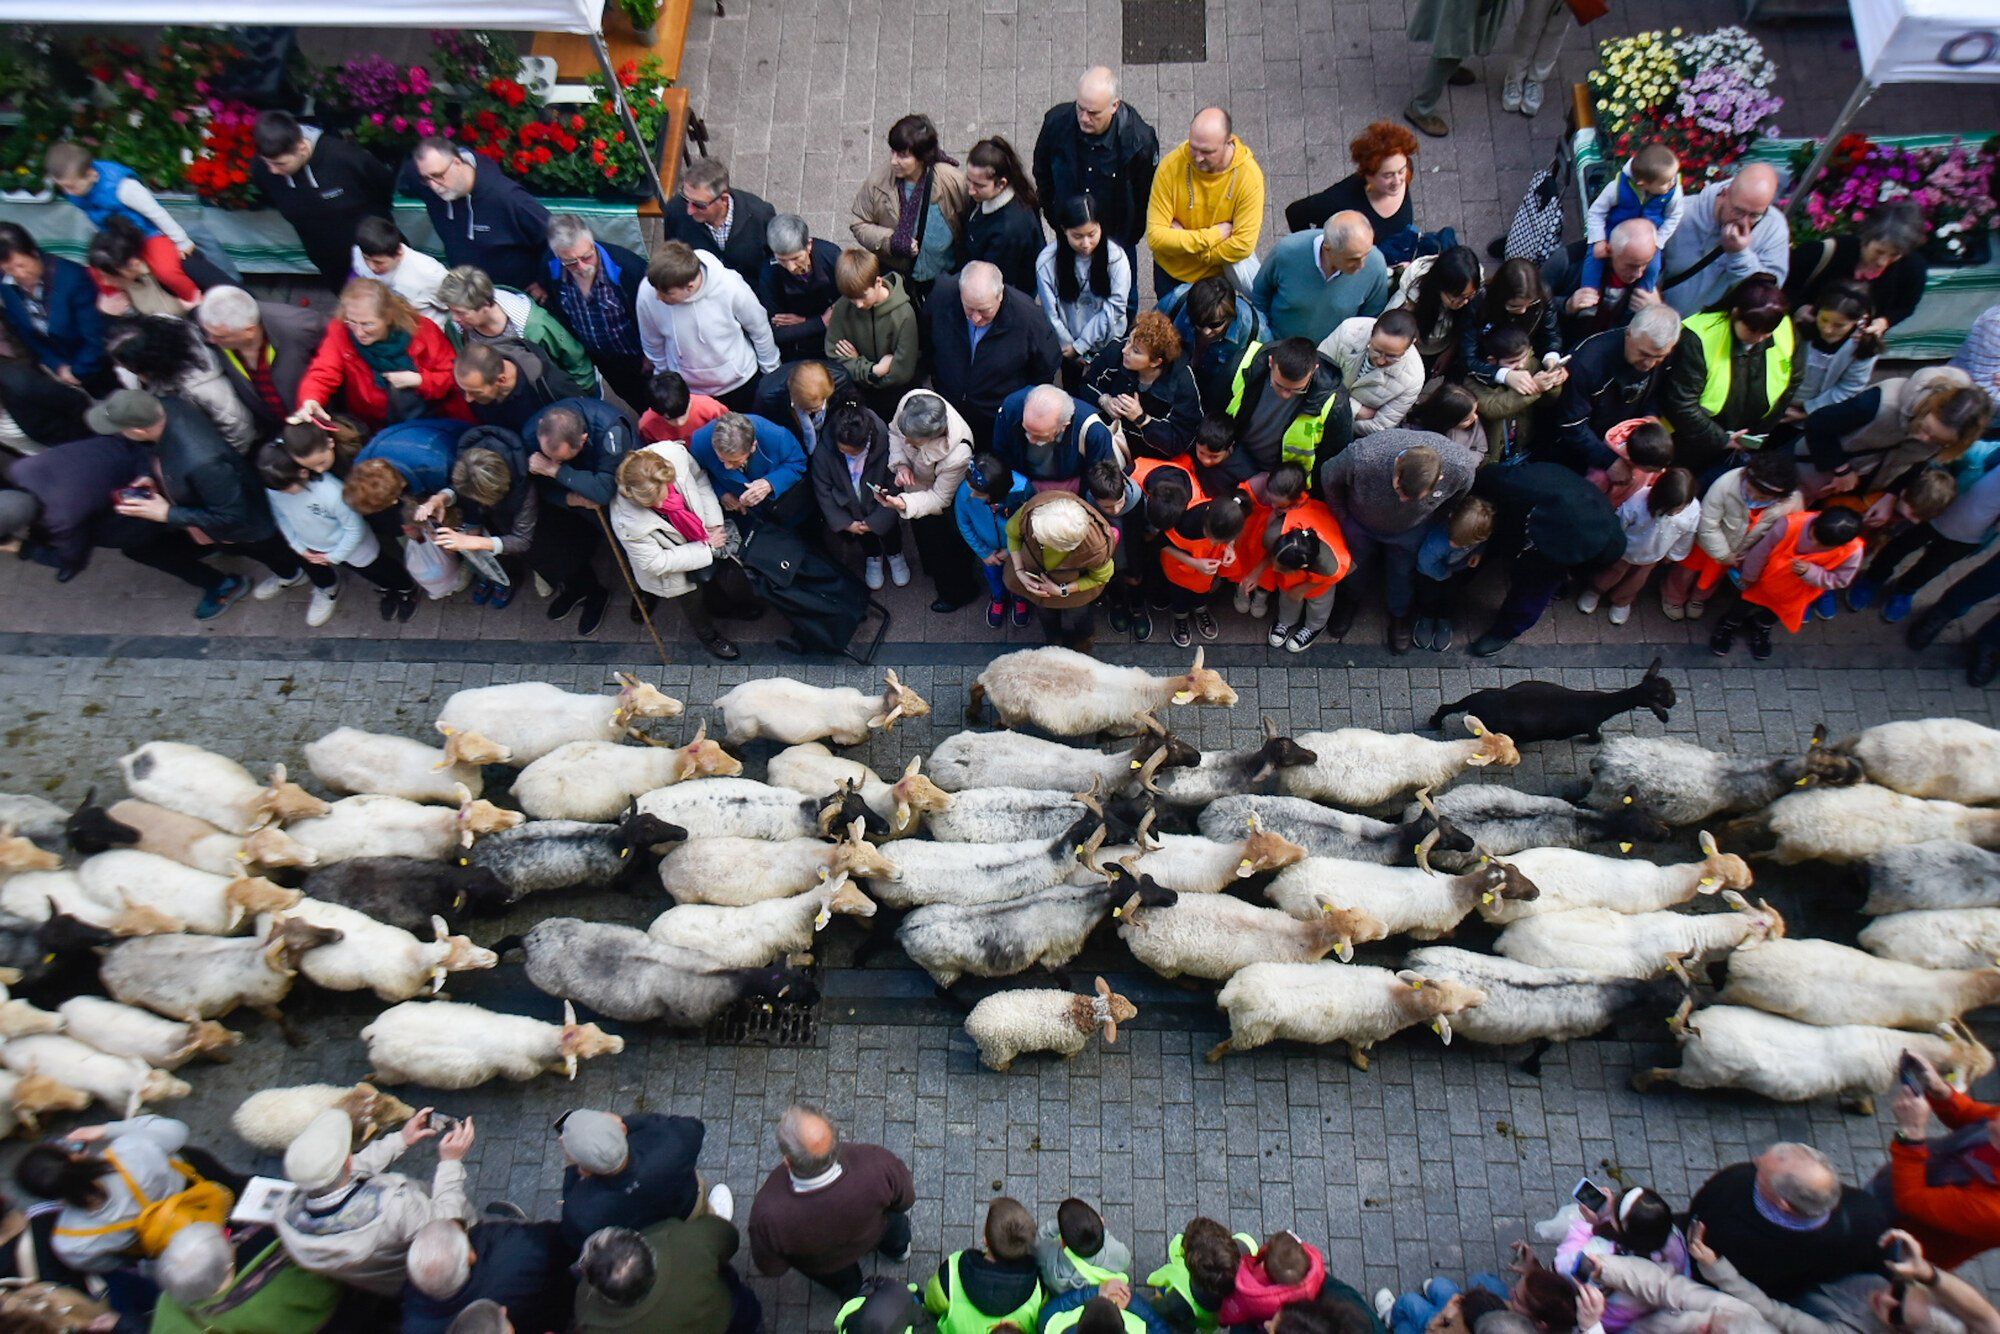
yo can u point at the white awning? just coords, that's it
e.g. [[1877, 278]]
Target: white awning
[[1921, 41], [517, 15]]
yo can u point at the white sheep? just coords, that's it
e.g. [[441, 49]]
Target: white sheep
[[209, 905], [1684, 784], [23, 1099], [814, 771], [1734, 1047], [122, 1082], [1403, 900], [1571, 879], [199, 844], [1215, 936], [1528, 1003], [1820, 982], [387, 960], [348, 759], [1640, 946], [1191, 864], [1334, 1002], [39, 895], [1005, 815], [737, 872], [19, 1018], [206, 977], [1954, 759], [950, 941], [378, 826], [1937, 937], [968, 761], [447, 1045], [1066, 693], [1849, 824], [1942, 873], [272, 1118], [126, 1030], [737, 808], [793, 712], [761, 933], [1008, 1024], [1360, 768], [214, 788], [528, 719], [968, 873], [598, 780]]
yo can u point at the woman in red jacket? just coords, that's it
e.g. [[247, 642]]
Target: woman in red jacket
[[382, 361], [1946, 1192]]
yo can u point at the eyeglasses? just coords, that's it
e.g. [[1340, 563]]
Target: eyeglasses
[[436, 176], [588, 257]]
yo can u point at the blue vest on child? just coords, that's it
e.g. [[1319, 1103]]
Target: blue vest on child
[[1631, 204], [100, 202]]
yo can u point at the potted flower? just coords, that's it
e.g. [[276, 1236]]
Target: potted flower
[[645, 17]]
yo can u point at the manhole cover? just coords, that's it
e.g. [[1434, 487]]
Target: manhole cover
[[758, 1024], [1166, 32]]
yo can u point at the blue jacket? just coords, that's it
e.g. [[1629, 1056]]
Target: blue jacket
[[76, 331], [1083, 442], [100, 203], [499, 227], [983, 527], [592, 474], [778, 459], [1215, 369], [1437, 558], [420, 450]]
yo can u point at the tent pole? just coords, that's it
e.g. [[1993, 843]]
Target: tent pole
[[646, 153], [1802, 184]]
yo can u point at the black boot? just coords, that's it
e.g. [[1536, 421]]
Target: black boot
[[1723, 639], [1345, 609], [1758, 636], [1983, 665], [1923, 631]]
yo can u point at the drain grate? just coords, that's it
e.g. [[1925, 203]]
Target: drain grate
[[1166, 32], [753, 1023]]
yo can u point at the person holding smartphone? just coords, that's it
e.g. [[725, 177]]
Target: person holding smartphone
[[1944, 1191], [850, 476], [1634, 1222]]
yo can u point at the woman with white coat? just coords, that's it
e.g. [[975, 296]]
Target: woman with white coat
[[930, 447], [671, 526], [1380, 365]]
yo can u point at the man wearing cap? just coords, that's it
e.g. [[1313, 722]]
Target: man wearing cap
[[631, 1172], [351, 1219], [199, 484]]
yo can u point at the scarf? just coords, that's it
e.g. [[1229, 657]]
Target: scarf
[[1778, 1218], [391, 352], [915, 202], [673, 507]]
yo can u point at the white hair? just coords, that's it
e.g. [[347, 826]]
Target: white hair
[[1050, 400], [1659, 327], [197, 1264], [440, 1259], [981, 277], [1061, 524], [1634, 232], [787, 234], [567, 232], [225, 309], [1346, 227], [1102, 78]]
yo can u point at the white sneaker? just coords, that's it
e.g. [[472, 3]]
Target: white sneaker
[[1510, 100], [722, 1202], [1587, 600], [1531, 97], [1385, 1302], [271, 585], [871, 572], [899, 571], [320, 610], [1260, 602], [542, 588], [1620, 615]]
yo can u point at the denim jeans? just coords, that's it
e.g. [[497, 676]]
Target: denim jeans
[[1414, 1311]]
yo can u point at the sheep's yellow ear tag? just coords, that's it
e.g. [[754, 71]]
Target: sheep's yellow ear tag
[[48, 958], [1183, 696], [1708, 881], [1244, 867], [624, 852], [1814, 742], [463, 861], [1137, 765], [1486, 898], [1117, 912], [825, 916], [1624, 847], [1627, 800], [1802, 782], [1417, 985], [1485, 861], [1437, 1028]]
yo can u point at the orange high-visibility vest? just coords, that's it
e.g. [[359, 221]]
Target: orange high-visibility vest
[[1784, 592], [1304, 584]]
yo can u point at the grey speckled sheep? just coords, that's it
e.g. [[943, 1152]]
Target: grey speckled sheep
[[623, 973], [1009, 1023]]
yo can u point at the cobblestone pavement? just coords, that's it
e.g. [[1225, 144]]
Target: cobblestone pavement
[[1431, 1162]]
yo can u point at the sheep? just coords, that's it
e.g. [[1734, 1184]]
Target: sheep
[[19, 854], [1015, 814], [1954, 759], [271, 1119], [1531, 711], [206, 977], [1329, 1002], [199, 844], [348, 759], [377, 826], [1325, 832], [211, 787], [209, 905], [1820, 982], [1532, 1004], [1190, 864], [19, 1018], [1008, 1023], [968, 760], [1684, 784], [1571, 879], [125, 1030], [737, 872], [1223, 773], [1639, 946], [447, 1045], [1359, 768], [405, 892], [762, 933], [1505, 820], [742, 808], [794, 712], [23, 1099], [596, 780], [949, 940], [623, 973], [46, 953], [1942, 873], [813, 770], [44, 896], [1215, 936], [528, 719], [123, 1082], [1734, 1047], [1401, 900], [387, 960], [1849, 824], [36, 819], [569, 854], [971, 873], [1066, 693], [1937, 937]]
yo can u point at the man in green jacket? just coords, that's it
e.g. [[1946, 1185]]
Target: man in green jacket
[[674, 1275], [211, 1286], [483, 313]]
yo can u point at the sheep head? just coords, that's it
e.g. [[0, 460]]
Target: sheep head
[[702, 758], [373, 1111], [582, 1042], [18, 854], [1493, 748], [455, 954], [641, 830], [1266, 851], [291, 939], [1128, 892], [36, 1094], [1106, 1010], [1631, 823], [1765, 922], [1965, 1057], [91, 829], [253, 895], [1826, 767], [282, 802], [1437, 999], [1496, 879], [1278, 752], [207, 1038], [142, 919], [159, 1086], [898, 702], [915, 795], [1336, 930], [1655, 692], [271, 849], [838, 896], [1158, 748], [469, 748], [1721, 870], [1441, 834], [1201, 685], [478, 817], [844, 806], [19, 1019], [856, 856], [636, 699]]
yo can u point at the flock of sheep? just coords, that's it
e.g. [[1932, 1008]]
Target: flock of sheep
[[1004, 851]]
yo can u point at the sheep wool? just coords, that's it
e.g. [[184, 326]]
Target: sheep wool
[[1214, 936], [1400, 900], [1008, 1024], [348, 759], [1525, 1003], [528, 719], [1937, 937], [199, 844], [378, 826], [1820, 982], [448, 1045], [1571, 879], [206, 977], [762, 933], [1849, 824], [1953, 759], [793, 712], [1942, 873], [125, 1030], [23, 1099], [211, 905], [734, 808], [598, 780], [1684, 784], [121, 1082], [1334, 1002], [214, 788], [1321, 830], [737, 872], [1360, 768], [387, 960], [1066, 693], [271, 1119], [624, 974], [1732, 1047], [1635, 945]]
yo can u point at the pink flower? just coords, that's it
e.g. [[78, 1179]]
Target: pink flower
[[426, 128], [132, 78], [178, 117], [377, 118], [424, 107], [401, 124]]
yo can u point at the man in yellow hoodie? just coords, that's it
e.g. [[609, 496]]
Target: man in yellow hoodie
[[1207, 208]]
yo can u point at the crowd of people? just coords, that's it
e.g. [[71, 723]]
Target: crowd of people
[[974, 388], [645, 1241]]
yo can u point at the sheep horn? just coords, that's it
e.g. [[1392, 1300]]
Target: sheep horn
[[1442, 1025], [1150, 770], [1148, 722], [1089, 800], [1199, 653], [1430, 841], [1424, 800], [1143, 835], [1270, 728], [645, 740]]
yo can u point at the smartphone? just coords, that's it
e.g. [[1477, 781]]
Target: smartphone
[[1589, 1196], [126, 495], [443, 1124], [1562, 360], [1751, 440], [1896, 1250], [1585, 1270], [1911, 1072]]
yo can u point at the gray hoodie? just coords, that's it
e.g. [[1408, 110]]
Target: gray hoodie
[[717, 340], [1059, 1271], [144, 1146]]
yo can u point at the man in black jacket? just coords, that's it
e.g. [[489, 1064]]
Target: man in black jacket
[[1552, 525], [578, 444], [321, 184], [985, 340], [631, 1171], [725, 222], [62, 502], [198, 483], [1788, 1224], [594, 288], [508, 384], [1614, 376], [266, 347], [482, 217], [796, 287], [1099, 146], [521, 1266]]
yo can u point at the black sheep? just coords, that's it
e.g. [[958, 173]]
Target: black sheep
[[407, 892], [44, 953], [91, 830], [1529, 711]]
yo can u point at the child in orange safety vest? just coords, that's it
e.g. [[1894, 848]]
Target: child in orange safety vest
[[1198, 549], [1299, 554], [1800, 558]]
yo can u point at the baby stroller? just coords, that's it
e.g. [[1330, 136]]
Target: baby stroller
[[822, 601]]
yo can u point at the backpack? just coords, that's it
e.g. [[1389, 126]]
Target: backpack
[[1538, 223], [202, 1201]]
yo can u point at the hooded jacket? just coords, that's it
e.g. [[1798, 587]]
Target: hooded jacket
[[1114, 168], [937, 466], [810, 298], [592, 474], [498, 227], [359, 1233], [511, 523], [717, 339], [326, 199], [1257, 1297], [886, 329], [1199, 201], [661, 558], [1390, 390]]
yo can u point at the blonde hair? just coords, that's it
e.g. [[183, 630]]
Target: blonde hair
[[395, 312], [1060, 524], [644, 477]]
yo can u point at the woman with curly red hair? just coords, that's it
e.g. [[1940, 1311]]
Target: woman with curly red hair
[[1379, 190]]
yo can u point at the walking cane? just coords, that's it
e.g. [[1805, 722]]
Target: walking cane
[[631, 585]]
